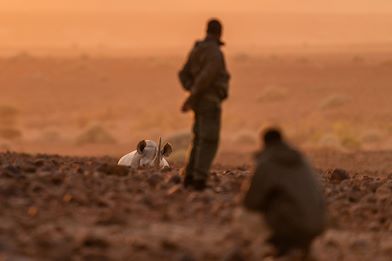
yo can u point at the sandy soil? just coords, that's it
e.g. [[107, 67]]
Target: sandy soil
[[89, 105], [87, 208], [334, 105]]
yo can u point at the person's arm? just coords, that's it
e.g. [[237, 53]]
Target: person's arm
[[185, 75]]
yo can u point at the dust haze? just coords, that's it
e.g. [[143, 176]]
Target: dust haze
[[90, 79]]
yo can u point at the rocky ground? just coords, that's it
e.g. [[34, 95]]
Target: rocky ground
[[75, 208]]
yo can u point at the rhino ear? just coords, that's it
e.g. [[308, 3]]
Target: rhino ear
[[141, 146], [167, 150]]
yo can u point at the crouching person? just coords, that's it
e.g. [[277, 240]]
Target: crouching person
[[286, 190]]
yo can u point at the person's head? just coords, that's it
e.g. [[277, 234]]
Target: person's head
[[272, 136], [214, 28]]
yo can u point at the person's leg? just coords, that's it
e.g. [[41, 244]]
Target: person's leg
[[188, 179], [208, 129]]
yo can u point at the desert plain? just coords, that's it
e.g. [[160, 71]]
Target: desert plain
[[66, 120]]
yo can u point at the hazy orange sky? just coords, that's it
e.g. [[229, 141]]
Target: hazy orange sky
[[362, 6], [161, 25]]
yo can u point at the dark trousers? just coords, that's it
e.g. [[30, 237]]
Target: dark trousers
[[206, 131]]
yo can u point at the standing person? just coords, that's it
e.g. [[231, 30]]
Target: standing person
[[286, 190], [205, 76]]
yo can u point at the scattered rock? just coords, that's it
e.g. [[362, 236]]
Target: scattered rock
[[94, 241], [175, 179], [186, 257], [338, 175], [169, 245], [12, 171], [88, 208], [154, 179], [111, 169], [235, 255]]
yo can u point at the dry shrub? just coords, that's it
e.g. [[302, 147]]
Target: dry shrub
[[333, 101], [389, 128], [329, 140], [21, 56], [95, 135], [5, 147], [50, 136], [386, 63], [274, 58], [8, 114], [372, 136], [10, 133], [84, 56], [242, 58], [179, 156], [245, 138], [306, 135], [351, 142], [313, 136], [82, 122], [303, 60], [272, 93], [347, 136], [179, 140], [357, 59]]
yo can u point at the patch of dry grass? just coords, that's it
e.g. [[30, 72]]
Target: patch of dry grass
[[272, 94], [5, 147], [348, 137], [96, 134], [386, 63], [8, 115], [329, 140], [10, 133], [178, 156], [372, 136], [358, 59], [179, 140], [245, 138], [333, 101], [50, 136]]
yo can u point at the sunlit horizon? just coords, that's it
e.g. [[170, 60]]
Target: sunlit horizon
[[219, 6]]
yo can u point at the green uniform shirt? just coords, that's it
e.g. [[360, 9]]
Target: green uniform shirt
[[205, 74]]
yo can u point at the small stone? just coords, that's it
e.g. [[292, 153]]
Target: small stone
[[186, 257], [338, 175], [57, 180], [174, 190], [113, 169], [373, 186], [67, 198], [176, 179], [138, 244], [386, 247], [169, 245], [95, 242], [235, 255], [39, 163], [32, 211], [154, 179], [12, 171]]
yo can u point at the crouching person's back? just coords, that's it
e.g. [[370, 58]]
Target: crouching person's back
[[286, 190]]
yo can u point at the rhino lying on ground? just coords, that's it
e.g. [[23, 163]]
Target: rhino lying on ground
[[147, 154]]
